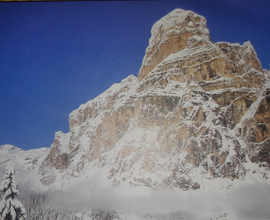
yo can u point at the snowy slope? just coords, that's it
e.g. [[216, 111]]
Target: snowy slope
[[197, 117], [25, 163]]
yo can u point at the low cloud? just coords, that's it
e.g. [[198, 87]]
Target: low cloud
[[248, 201]]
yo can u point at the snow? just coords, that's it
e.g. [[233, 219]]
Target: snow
[[9, 203], [63, 141], [190, 52], [139, 157], [250, 112], [10, 149], [25, 163], [173, 19], [175, 23], [190, 24], [139, 141], [250, 48]]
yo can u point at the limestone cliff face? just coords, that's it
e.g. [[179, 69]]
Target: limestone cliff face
[[198, 110], [255, 130], [56, 159], [172, 33]]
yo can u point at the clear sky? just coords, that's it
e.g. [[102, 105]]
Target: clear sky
[[55, 56]]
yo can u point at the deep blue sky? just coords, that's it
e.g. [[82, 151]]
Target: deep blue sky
[[55, 56]]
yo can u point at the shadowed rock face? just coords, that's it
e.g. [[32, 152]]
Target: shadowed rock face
[[256, 131], [198, 110]]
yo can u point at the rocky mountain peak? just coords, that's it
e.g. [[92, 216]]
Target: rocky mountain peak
[[174, 32], [197, 112]]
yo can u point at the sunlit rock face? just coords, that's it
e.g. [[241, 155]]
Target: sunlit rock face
[[198, 110], [176, 31]]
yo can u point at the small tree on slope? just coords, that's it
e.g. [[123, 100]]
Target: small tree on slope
[[10, 207]]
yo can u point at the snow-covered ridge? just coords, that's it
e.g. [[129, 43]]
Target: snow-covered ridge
[[194, 115], [25, 163], [175, 126], [103, 99], [8, 148]]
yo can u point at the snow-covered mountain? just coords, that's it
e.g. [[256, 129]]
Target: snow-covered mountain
[[26, 164], [198, 112]]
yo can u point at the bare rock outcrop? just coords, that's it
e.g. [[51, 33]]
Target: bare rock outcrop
[[172, 33], [199, 110]]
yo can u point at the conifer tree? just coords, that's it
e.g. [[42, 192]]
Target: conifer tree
[[10, 207]]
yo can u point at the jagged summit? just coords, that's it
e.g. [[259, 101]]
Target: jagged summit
[[198, 111], [174, 32]]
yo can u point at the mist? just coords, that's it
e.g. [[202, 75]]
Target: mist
[[246, 201]]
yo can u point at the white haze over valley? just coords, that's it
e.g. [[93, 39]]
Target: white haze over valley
[[244, 200], [217, 199]]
